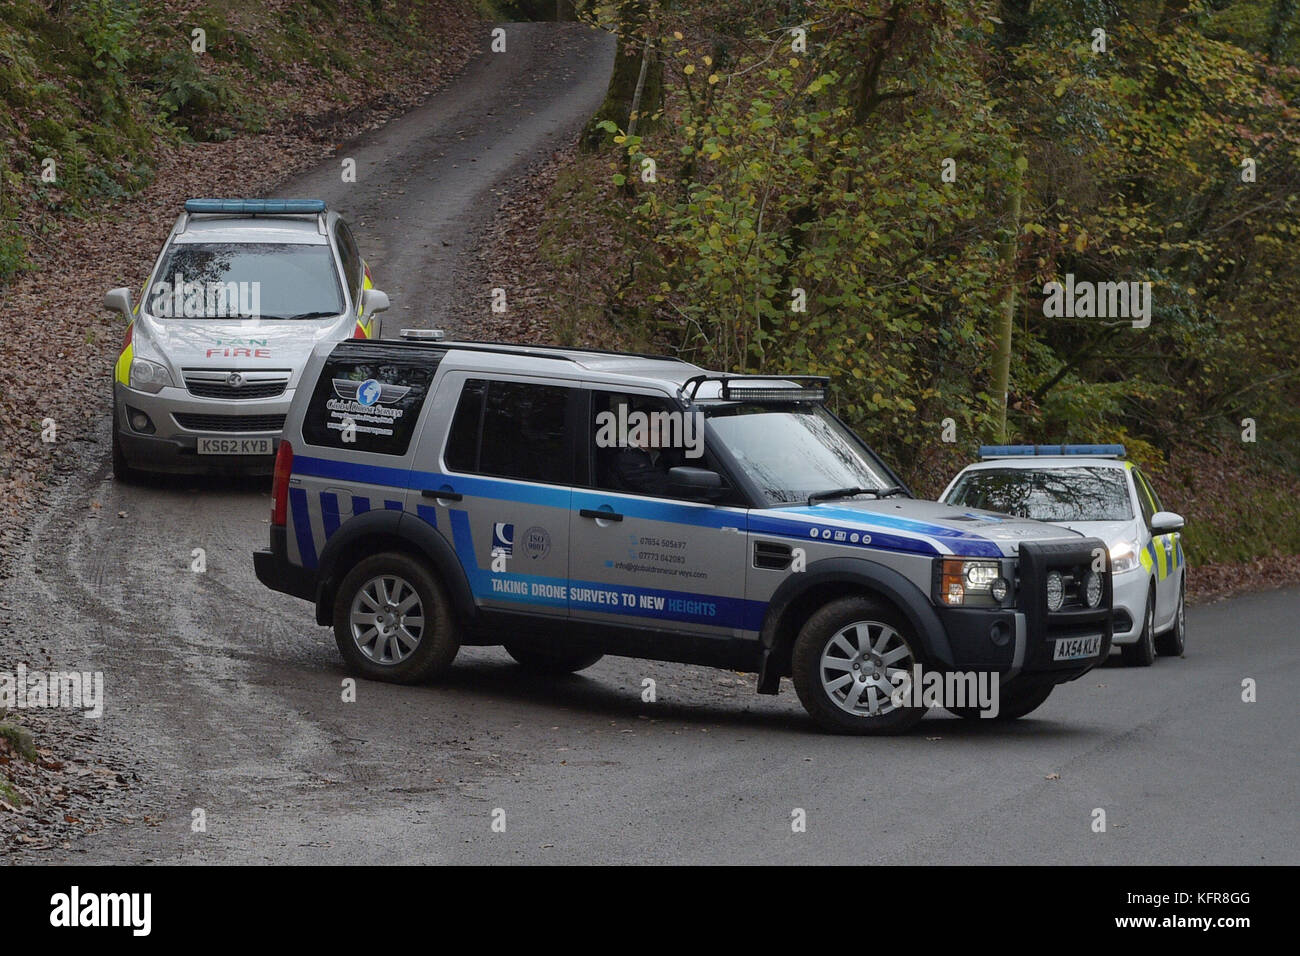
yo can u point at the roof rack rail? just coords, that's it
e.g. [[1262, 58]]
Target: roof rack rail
[[539, 351]]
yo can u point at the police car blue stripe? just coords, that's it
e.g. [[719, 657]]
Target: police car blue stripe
[[329, 513], [360, 505], [302, 527], [390, 505], [428, 513]]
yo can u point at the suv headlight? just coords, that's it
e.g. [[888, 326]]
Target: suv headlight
[[966, 582], [1123, 557], [149, 376]]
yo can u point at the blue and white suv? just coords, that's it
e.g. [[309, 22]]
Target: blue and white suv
[[569, 504], [1094, 490]]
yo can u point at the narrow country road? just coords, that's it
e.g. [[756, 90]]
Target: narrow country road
[[229, 694]]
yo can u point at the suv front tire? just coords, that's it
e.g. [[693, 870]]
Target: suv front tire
[[842, 663]]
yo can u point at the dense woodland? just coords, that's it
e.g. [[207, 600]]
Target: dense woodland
[[1113, 142]]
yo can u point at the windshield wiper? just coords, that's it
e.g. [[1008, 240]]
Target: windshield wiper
[[303, 315], [852, 492]]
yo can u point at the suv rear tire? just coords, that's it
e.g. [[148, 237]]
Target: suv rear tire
[[556, 662], [865, 641], [392, 620]]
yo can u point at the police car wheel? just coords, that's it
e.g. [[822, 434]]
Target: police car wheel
[[1015, 700], [1173, 643], [552, 662], [392, 621], [1143, 652], [121, 470], [848, 660]]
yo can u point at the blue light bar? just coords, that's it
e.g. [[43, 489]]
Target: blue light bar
[[253, 207], [1013, 451]]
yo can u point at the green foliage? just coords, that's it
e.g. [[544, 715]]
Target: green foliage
[[777, 171]]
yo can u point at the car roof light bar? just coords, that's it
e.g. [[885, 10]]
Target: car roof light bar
[[762, 388], [257, 207], [1019, 451]]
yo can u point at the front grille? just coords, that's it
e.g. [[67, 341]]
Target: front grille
[[212, 389], [231, 423]]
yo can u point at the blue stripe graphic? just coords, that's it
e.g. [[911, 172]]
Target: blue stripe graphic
[[965, 543], [329, 513], [715, 610], [302, 527]]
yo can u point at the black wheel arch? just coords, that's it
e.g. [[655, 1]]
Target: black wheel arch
[[801, 594], [385, 530]]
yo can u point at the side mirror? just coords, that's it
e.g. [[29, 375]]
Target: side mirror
[[1166, 522], [372, 301], [119, 300], [700, 483]]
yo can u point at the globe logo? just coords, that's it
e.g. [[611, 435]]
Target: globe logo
[[368, 392]]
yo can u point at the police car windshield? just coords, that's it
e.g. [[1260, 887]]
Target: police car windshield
[[1046, 494], [267, 280], [794, 451]]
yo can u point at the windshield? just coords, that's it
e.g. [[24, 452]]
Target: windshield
[[1048, 494], [792, 452], [267, 280]]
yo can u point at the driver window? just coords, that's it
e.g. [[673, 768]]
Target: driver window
[[635, 439]]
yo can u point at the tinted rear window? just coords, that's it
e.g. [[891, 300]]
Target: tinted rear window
[[512, 430], [368, 402]]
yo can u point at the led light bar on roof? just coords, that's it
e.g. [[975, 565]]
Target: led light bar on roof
[[1015, 451], [254, 207]]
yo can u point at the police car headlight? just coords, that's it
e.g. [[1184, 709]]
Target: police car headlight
[[1055, 591], [1123, 557], [1092, 589], [149, 376]]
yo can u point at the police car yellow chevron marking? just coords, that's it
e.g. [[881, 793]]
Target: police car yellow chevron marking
[[122, 371]]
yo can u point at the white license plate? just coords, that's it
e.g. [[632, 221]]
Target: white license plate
[[1077, 648], [235, 446]]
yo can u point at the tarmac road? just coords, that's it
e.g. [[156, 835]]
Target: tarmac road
[[229, 695]]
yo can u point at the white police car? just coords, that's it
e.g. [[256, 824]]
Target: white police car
[[242, 291], [1092, 489]]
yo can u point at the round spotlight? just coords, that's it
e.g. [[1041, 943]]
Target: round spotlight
[[1092, 589], [1000, 588], [1055, 591]]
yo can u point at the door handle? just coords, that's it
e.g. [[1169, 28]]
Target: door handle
[[435, 493], [599, 513]]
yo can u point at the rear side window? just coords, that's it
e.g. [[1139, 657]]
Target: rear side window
[[367, 403], [512, 430]]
